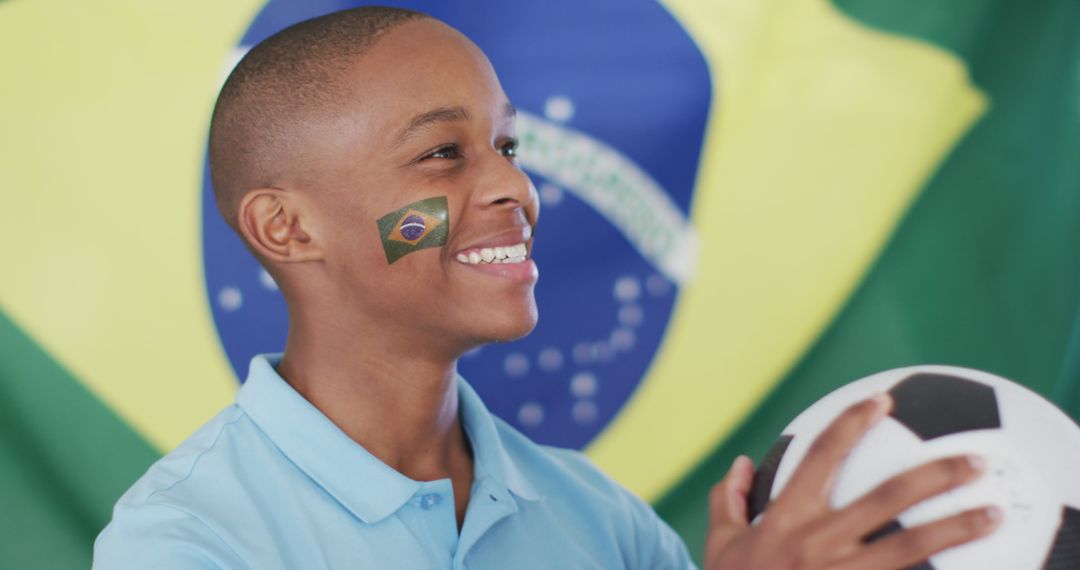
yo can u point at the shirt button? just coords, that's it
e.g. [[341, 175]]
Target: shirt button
[[428, 502]]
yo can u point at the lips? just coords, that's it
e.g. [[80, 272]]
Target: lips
[[505, 255], [506, 247]]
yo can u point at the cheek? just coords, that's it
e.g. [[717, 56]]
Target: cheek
[[408, 293], [353, 242], [492, 305], [354, 258], [532, 211]]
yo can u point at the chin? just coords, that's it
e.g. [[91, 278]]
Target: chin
[[511, 326], [516, 333], [518, 328]]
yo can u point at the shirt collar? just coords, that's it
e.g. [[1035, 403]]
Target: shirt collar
[[490, 457], [361, 482], [357, 479]]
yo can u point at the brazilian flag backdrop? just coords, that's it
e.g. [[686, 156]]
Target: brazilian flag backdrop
[[747, 203]]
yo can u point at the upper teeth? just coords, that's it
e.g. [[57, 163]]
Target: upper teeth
[[508, 254]]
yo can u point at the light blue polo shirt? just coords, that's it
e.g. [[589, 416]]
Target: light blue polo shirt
[[270, 482]]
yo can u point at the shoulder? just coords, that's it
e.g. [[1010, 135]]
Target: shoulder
[[570, 482], [602, 489], [161, 536], [564, 470], [161, 521], [181, 470]]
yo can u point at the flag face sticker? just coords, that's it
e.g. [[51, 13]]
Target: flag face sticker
[[419, 225]]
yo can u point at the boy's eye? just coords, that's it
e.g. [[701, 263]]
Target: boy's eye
[[446, 151], [509, 148]]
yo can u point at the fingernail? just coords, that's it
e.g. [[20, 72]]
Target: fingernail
[[882, 400], [976, 462], [993, 514], [738, 460]]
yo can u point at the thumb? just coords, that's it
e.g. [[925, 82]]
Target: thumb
[[727, 500], [727, 510]]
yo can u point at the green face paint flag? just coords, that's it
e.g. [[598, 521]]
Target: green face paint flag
[[419, 225]]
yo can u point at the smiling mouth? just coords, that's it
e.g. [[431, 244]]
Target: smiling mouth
[[494, 255]]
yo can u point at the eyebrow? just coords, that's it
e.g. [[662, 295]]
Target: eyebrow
[[427, 119]]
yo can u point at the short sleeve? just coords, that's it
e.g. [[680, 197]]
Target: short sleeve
[[648, 542], [161, 537], [659, 547]]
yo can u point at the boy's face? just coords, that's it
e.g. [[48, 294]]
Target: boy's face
[[426, 118]]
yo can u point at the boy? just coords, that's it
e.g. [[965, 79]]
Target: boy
[[366, 158]]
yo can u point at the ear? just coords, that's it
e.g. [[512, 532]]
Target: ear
[[271, 220]]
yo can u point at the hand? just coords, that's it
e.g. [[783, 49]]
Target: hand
[[800, 531]]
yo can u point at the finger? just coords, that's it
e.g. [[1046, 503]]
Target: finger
[[810, 484], [887, 500], [727, 500], [915, 545], [727, 506]]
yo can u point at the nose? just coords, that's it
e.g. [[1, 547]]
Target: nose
[[505, 186]]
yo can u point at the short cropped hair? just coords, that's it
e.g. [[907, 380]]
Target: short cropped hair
[[281, 81]]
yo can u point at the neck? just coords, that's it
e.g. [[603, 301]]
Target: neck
[[399, 403]]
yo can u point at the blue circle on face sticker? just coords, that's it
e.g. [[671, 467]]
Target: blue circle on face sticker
[[412, 227], [619, 74]]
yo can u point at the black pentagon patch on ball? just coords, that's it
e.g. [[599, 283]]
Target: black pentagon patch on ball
[[933, 405], [885, 530], [889, 528], [1065, 552], [762, 485]]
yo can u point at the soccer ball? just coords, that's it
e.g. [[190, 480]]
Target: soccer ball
[[1031, 448]]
